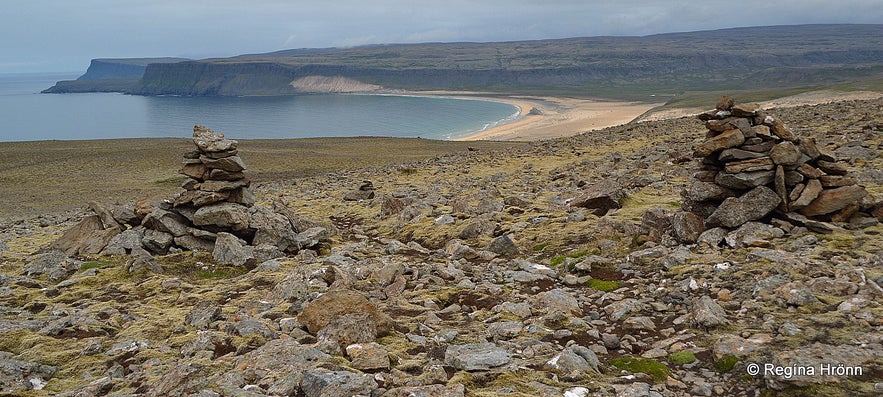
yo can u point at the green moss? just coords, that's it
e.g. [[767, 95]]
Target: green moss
[[681, 358], [657, 371], [558, 260], [540, 247], [98, 264], [726, 363], [602, 285]]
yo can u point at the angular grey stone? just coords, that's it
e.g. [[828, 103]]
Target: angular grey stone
[[55, 264], [724, 140], [230, 249], [755, 204], [202, 315], [141, 260], [270, 228], [708, 314], [712, 237], [785, 153], [476, 356], [165, 221], [345, 330], [229, 164], [752, 232], [600, 197], [738, 154], [125, 242], [195, 243], [704, 191], [17, 375], [157, 242], [456, 390], [831, 200], [573, 359], [504, 246], [744, 180], [687, 226], [324, 383], [224, 215], [85, 238]]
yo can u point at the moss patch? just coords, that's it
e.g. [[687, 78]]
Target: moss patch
[[558, 260], [681, 358], [726, 363], [657, 371], [602, 285]]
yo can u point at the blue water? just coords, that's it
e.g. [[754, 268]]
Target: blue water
[[27, 115]]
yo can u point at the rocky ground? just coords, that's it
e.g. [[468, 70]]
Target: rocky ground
[[473, 274]]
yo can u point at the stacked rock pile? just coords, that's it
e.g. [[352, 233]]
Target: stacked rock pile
[[215, 213], [216, 172], [753, 165]]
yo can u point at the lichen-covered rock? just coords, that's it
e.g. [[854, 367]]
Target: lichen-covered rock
[[320, 312], [324, 383], [476, 356], [230, 249], [223, 215], [600, 197], [753, 205], [708, 314], [87, 237]]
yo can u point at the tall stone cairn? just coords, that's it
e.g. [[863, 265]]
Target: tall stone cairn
[[215, 213], [753, 167], [216, 172]]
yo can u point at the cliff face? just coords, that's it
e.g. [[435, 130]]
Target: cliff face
[[109, 75], [202, 78], [122, 68]]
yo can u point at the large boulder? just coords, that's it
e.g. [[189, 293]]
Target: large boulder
[[86, 238], [830, 200], [320, 312], [230, 249], [476, 356], [165, 221], [735, 211], [223, 215], [270, 228], [600, 197]]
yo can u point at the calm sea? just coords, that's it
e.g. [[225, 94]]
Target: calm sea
[[27, 115]]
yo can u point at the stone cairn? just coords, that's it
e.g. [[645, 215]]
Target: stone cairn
[[217, 173], [215, 213], [754, 168]]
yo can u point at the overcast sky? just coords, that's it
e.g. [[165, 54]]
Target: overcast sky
[[63, 35]]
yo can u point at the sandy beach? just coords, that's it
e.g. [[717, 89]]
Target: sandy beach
[[551, 117]]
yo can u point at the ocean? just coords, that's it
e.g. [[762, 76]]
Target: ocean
[[27, 115]]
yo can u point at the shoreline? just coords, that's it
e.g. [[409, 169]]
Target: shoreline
[[548, 117]]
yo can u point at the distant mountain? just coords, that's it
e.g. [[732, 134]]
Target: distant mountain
[[615, 67]]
